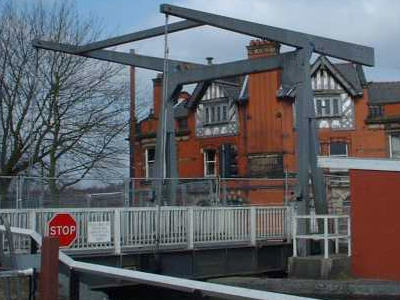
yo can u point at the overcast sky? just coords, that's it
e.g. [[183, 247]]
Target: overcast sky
[[375, 23]]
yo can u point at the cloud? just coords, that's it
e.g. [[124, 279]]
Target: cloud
[[374, 23]]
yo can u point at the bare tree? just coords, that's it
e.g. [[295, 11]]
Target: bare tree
[[60, 115]]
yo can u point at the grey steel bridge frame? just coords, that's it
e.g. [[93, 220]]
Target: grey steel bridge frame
[[295, 72]]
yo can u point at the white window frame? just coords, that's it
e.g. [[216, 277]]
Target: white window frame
[[147, 161], [330, 99], [206, 162], [339, 155], [397, 134], [211, 119]]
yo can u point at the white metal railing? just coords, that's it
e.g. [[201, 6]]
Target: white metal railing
[[169, 282], [173, 227], [331, 231]]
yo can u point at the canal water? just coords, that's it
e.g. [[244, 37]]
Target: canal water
[[143, 292], [151, 293]]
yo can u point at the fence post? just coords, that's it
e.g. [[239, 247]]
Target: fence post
[[336, 224], [289, 213], [74, 282], [32, 220], [117, 231], [48, 286], [253, 225], [294, 234], [126, 192], [326, 246], [190, 229], [349, 236]]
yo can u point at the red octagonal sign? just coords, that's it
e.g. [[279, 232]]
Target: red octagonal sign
[[63, 226]]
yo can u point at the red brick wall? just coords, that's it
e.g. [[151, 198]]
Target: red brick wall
[[363, 140], [266, 126], [375, 224], [392, 110]]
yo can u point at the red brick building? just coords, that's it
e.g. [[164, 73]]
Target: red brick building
[[244, 126]]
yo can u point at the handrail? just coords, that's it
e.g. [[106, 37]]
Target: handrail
[[325, 236], [17, 273], [182, 227], [173, 283]]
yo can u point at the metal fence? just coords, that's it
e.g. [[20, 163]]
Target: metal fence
[[336, 228], [38, 192], [173, 227]]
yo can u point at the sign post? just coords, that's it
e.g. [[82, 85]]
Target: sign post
[[63, 227]]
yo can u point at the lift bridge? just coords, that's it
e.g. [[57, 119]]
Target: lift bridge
[[167, 247], [200, 242], [193, 242]]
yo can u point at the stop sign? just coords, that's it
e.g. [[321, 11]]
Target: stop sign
[[63, 226]]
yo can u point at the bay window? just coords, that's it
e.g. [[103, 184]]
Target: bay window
[[328, 106]]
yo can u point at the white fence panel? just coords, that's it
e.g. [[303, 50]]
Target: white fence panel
[[221, 224], [272, 222], [171, 226], [138, 227], [21, 219], [82, 218]]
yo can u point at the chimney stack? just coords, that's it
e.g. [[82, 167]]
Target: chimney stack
[[157, 94], [262, 48]]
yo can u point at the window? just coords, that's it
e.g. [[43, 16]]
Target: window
[[215, 113], [150, 157], [395, 145], [338, 149], [210, 162], [182, 124], [375, 111], [328, 106]]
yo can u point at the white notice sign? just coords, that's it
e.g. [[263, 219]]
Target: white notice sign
[[99, 232]]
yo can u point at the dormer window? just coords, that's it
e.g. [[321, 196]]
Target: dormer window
[[328, 106]]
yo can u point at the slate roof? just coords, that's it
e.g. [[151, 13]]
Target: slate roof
[[232, 87], [350, 74], [384, 92], [351, 77]]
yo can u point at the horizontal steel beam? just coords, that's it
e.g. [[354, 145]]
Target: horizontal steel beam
[[325, 46], [137, 36], [236, 68], [130, 59]]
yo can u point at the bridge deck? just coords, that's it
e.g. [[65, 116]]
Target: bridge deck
[[127, 230]]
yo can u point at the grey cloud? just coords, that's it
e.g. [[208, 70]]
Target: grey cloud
[[370, 22]]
